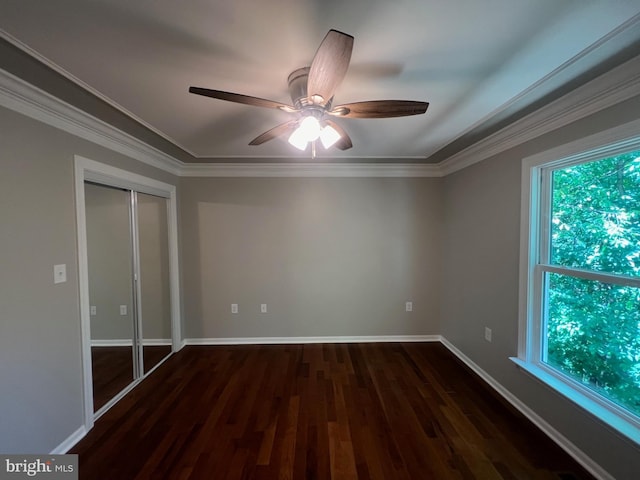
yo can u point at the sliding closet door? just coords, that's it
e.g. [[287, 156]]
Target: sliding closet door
[[110, 269], [154, 289]]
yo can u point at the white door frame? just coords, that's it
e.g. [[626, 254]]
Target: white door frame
[[90, 170]]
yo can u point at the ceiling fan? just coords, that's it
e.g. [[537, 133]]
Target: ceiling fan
[[312, 89]]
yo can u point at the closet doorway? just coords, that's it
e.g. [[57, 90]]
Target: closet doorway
[[128, 280]]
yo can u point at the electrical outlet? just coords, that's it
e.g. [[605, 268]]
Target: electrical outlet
[[408, 307], [123, 309], [263, 308], [487, 334], [60, 273], [93, 310], [234, 308]]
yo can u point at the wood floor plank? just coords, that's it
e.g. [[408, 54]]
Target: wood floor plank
[[316, 412]]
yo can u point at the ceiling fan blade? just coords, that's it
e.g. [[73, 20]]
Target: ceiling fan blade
[[345, 142], [245, 99], [329, 66], [276, 131], [380, 109]]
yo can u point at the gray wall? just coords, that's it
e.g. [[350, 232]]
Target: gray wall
[[110, 262], [481, 253], [329, 256], [153, 239], [109, 250], [40, 362]]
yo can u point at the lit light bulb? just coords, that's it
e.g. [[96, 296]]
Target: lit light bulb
[[298, 139], [308, 131], [329, 136], [311, 128]]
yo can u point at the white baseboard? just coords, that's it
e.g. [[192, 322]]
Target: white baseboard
[[70, 441], [592, 467], [127, 342], [294, 340]]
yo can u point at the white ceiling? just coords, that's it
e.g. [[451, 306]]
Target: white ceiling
[[473, 60]]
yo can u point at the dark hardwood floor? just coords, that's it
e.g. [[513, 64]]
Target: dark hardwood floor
[[112, 369], [154, 354], [343, 411]]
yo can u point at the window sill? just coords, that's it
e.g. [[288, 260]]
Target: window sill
[[609, 416]]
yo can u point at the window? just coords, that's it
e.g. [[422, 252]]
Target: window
[[580, 278]]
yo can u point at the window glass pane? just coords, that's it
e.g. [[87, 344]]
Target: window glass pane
[[595, 217], [593, 335]]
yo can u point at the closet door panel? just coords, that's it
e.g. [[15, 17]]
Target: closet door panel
[[109, 249], [155, 297]]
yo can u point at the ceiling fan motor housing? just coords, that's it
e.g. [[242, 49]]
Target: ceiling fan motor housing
[[297, 81]]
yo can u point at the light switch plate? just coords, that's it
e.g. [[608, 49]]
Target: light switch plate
[[123, 309], [60, 273], [487, 334], [263, 308], [408, 306], [234, 308], [93, 310]]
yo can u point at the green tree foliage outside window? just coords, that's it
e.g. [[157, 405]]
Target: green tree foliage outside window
[[593, 327]]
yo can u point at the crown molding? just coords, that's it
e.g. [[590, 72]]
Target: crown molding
[[311, 170], [84, 86], [615, 86], [24, 98]]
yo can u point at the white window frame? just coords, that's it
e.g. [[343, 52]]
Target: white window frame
[[534, 224]]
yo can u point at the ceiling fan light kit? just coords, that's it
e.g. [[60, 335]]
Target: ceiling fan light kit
[[329, 136], [312, 89], [309, 130]]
